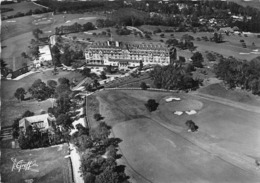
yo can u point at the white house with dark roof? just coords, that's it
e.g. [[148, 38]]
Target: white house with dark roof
[[42, 122]]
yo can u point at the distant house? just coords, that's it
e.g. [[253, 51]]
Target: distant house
[[42, 122], [226, 30]]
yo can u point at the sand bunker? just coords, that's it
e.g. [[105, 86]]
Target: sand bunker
[[183, 105], [169, 99], [87, 18]]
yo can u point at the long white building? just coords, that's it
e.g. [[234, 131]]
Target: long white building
[[125, 55]]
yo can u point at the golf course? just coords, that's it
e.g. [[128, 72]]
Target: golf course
[[157, 146]]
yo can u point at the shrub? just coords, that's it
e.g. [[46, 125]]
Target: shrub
[[97, 116], [143, 86], [191, 125], [151, 105]]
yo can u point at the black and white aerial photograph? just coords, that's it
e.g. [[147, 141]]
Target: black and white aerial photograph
[[130, 91]]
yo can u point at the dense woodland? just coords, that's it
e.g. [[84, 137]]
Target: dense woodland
[[176, 76], [242, 74]]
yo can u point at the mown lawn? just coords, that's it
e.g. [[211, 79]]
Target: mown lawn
[[52, 166]]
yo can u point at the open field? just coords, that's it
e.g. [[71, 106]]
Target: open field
[[164, 150], [17, 26], [231, 47], [12, 108], [52, 166], [17, 33], [22, 7], [235, 95], [252, 3]]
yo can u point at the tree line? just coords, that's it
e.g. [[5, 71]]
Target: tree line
[[76, 27], [244, 74], [99, 162]]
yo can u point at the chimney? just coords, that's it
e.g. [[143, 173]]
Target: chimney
[[117, 44]]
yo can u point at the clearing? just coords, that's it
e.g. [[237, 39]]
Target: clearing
[[52, 166]]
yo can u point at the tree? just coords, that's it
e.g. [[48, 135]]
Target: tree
[[191, 125], [23, 142], [109, 69], [66, 57], [141, 65], [4, 69], [86, 72], [97, 116], [56, 55], [64, 120], [218, 37], [143, 86], [27, 114], [52, 84], [103, 75], [36, 33], [96, 84], [20, 93], [197, 59], [64, 81], [62, 89], [24, 55], [151, 105], [35, 51]]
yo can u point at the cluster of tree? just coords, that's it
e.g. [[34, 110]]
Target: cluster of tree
[[76, 27], [100, 163], [33, 138], [69, 56], [30, 12], [40, 91], [218, 37], [242, 74], [129, 17], [123, 31], [182, 44], [174, 77], [4, 10], [197, 60]]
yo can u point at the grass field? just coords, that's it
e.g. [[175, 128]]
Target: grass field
[[231, 47], [12, 108], [165, 152], [17, 34], [52, 165], [235, 95], [22, 7]]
